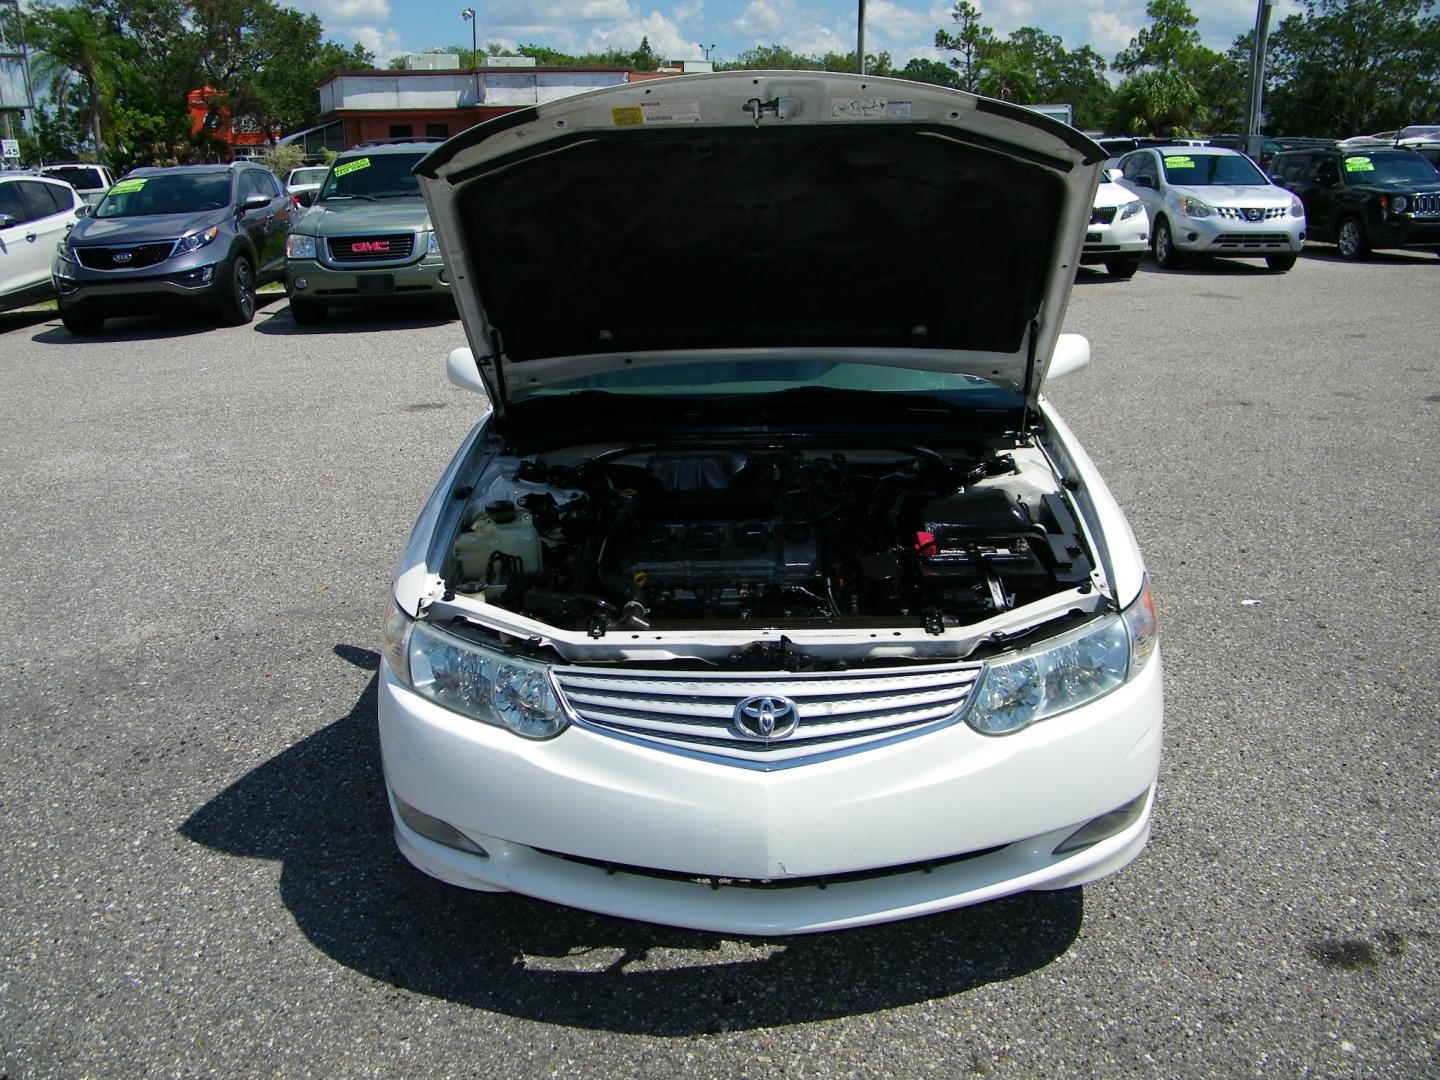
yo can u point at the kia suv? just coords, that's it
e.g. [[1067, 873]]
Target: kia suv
[[768, 594], [201, 236]]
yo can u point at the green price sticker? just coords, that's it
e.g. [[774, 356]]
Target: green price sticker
[[1179, 163], [125, 187], [352, 166], [1359, 164]]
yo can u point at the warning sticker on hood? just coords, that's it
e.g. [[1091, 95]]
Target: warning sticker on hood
[[656, 112], [868, 109], [352, 166], [1359, 164]]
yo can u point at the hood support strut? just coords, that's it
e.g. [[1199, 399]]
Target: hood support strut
[[1029, 376]]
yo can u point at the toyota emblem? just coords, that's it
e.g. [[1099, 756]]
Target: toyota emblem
[[766, 717]]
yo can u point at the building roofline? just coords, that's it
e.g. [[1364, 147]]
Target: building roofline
[[482, 70]]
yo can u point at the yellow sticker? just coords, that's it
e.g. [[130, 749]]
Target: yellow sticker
[[352, 166], [627, 116], [1179, 163], [125, 187], [1359, 164]]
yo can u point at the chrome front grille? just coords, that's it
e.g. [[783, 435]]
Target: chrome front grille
[[1251, 240], [1236, 213], [1102, 215], [390, 247], [130, 257], [1425, 205], [695, 712]]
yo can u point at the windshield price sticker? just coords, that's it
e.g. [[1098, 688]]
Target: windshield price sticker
[[125, 187], [1359, 164], [352, 166], [1179, 163], [869, 109]]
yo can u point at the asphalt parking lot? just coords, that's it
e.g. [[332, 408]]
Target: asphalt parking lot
[[198, 878]]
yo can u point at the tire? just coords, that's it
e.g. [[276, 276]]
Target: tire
[[1165, 254], [1350, 238], [1123, 268], [81, 325], [237, 307], [306, 312], [1280, 263]]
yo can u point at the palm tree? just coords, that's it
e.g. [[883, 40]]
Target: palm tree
[[72, 43]]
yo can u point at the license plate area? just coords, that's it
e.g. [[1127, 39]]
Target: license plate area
[[375, 283], [1092, 237]]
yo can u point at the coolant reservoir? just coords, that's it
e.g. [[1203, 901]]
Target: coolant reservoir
[[502, 528]]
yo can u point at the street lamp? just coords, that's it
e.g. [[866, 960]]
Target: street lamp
[[469, 16]]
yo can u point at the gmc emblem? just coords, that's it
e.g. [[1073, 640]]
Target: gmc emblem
[[378, 246]]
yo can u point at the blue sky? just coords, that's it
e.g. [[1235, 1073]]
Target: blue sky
[[679, 30]]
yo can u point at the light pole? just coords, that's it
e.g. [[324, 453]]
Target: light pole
[[469, 16]]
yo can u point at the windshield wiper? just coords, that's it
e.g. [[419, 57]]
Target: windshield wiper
[[367, 198]]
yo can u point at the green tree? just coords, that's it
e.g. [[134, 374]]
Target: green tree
[[930, 71], [74, 47], [1156, 103], [1164, 62], [1166, 42], [771, 58], [1351, 67], [644, 58], [1062, 76], [969, 42]]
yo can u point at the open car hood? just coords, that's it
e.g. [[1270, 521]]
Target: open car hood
[[761, 214]]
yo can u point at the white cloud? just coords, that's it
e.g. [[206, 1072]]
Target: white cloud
[[383, 42], [1108, 34], [355, 10], [665, 37]]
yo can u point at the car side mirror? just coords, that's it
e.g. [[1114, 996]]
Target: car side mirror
[[461, 369], [1276, 178], [254, 202], [1072, 354], [1145, 182], [307, 198], [1114, 175], [6, 221], [83, 210]]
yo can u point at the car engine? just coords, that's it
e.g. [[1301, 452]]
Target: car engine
[[639, 538]]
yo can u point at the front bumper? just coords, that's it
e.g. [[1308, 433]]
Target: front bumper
[[1229, 237], [639, 824], [367, 284], [1105, 242], [1406, 231], [131, 292]]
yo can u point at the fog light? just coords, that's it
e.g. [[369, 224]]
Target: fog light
[[301, 283], [444, 278], [1104, 826], [432, 828]]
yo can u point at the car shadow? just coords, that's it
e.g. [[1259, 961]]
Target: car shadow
[[1203, 266], [347, 320], [1092, 275], [1330, 254], [182, 322], [320, 808], [23, 318]]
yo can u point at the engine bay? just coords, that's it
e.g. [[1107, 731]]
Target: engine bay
[[656, 537]]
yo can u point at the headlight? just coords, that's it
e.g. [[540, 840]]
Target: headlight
[[432, 245], [1297, 208], [195, 241], [1066, 672], [1399, 203], [65, 251], [1130, 209], [483, 685], [299, 246], [1194, 207]]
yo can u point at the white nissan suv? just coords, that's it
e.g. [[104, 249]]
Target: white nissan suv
[[769, 594]]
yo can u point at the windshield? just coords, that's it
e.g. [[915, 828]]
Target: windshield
[[308, 176], [1385, 168], [739, 378], [384, 176], [77, 176], [1208, 170], [176, 193]]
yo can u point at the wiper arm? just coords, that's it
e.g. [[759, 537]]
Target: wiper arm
[[367, 198]]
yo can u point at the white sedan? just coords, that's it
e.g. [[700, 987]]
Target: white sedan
[[768, 594]]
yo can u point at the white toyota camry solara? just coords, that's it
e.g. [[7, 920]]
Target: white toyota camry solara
[[768, 595]]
